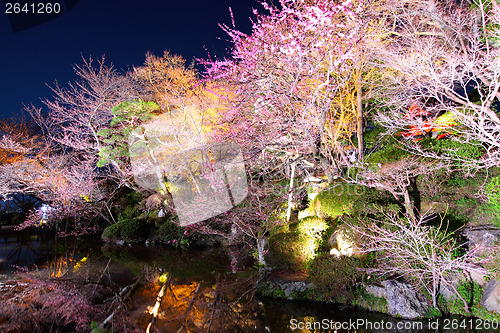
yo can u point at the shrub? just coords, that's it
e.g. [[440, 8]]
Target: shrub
[[431, 185], [336, 277], [493, 192], [391, 152], [291, 250], [313, 226], [171, 233], [424, 255], [294, 249], [338, 199], [128, 230]]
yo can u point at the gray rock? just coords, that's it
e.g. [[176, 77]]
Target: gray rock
[[447, 293], [343, 241], [374, 290], [484, 237], [478, 277], [403, 300], [491, 296], [295, 287], [289, 289]]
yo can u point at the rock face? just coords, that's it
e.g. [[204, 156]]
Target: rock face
[[481, 236], [343, 242], [296, 287], [288, 290], [403, 300], [375, 290], [491, 296]]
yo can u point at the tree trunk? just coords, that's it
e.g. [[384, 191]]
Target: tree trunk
[[290, 195], [415, 196], [261, 246], [359, 116], [409, 205]]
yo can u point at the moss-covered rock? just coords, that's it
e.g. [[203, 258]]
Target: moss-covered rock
[[294, 248], [291, 250], [336, 200], [170, 232], [349, 199], [129, 230], [336, 277]]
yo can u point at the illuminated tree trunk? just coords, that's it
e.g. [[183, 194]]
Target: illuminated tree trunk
[[359, 116], [261, 246], [290, 194]]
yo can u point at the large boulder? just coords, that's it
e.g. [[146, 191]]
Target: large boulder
[[343, 241], [375, 290], [404, 301], [481, 238], [491, 296]]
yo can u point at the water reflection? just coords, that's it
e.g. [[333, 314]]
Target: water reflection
[[21, 250], [168, 290]]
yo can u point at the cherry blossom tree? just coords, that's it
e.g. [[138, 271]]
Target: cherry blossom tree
[[33, 167], [57, 165], [299, 78], [78, 112], [420, 253], [443, 59]]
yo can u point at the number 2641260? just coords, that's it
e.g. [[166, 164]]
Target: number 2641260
[[32, 8]]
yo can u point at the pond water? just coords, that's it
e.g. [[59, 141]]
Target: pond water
[[203, 290]]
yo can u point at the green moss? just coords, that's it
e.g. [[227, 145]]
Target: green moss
[[338, 199], [170, 232], [391, 152], [493, 193], [350, 199], [271, 290], [129, 213], [291, 250], [112, 232], [128, 229], [133, 198], [336, 278], [368, 301], [472, 293], [472, 151], [373, 137], [278, 293], [433, 313]]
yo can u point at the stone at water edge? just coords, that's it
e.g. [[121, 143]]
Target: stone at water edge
[[403, 300], [375, 290], [491, 296]]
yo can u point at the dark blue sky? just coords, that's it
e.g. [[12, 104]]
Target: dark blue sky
[[123, 30]]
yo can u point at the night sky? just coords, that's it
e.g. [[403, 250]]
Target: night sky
[[122, 30]]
